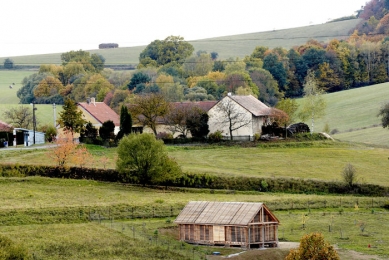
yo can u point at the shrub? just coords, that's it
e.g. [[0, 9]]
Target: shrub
[[216, 136], [145, 159], [313, 246], [349, 175], [164, 135]]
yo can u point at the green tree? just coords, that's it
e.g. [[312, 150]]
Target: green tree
[[199, 65], [384, 113], [267, 86], [138, 78], [125, 123], [107, 129], [70, 118], [50, 132], [89, 131], [259, 52], [19, 117], [289, 106], [349, 175], [172, 49], [8, 63], [147, 109], [313, 105], [277, 69], [94, 63], [97, 86], [197, 123], [144, 159], [314, 247], [26, 92]]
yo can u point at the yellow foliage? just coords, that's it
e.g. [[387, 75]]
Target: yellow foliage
[[48, 86], [216, 76], [312, 246], [164, 79], [64, 149], [82, 157]]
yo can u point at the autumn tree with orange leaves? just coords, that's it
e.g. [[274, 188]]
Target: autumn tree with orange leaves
[[66, 152]]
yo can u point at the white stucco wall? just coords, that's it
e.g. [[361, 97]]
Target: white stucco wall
[[218, 116]]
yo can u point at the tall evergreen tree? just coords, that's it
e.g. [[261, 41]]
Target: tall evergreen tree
[[125, 123], [70, 118]]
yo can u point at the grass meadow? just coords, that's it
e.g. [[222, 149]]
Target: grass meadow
[[52, 218], [8, 78], [323, 160], [353, 113]]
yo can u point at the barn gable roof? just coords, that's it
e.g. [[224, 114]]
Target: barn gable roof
[[101, 112], [252, 104], [221, 213]]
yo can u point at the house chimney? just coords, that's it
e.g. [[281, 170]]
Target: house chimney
[[229, 94], [88, 100], [92, 100]]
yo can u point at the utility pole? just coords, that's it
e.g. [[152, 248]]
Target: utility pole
[[33, 119], [55, 114]]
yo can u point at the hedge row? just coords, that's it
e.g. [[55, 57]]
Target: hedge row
[[190, 180]]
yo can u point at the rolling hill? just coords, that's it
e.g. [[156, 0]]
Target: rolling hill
[[353, 113], [227, 46]]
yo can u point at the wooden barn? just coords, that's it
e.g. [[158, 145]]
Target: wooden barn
[[243, 224]]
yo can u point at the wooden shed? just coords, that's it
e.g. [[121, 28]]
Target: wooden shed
[[243, 224]]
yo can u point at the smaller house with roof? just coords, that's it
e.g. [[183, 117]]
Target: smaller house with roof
[[242, 224], [162, 122], [98, 112], [238, 116]]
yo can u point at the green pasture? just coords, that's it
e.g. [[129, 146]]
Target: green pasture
[[318, 160], [44, 193], [11, 78], [353, 113], [226, 46], [38, 212]]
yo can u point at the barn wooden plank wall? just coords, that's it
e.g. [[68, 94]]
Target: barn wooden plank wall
[[229, 224]]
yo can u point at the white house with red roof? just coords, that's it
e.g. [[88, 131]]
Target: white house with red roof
[[98, 112]]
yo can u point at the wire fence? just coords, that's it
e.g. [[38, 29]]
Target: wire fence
[[135, 222], [149, 235]]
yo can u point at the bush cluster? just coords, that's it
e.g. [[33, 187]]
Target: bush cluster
[[208, 181]]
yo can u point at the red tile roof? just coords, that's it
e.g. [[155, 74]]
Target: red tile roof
[[4, 127], [101, 111]]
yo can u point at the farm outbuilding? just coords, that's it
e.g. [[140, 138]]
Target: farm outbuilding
[[242, 224]]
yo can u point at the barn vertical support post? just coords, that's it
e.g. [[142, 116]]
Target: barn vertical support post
[[249, 240], [263, 227]]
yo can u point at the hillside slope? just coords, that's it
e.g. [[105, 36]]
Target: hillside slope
[[227, 46], [353, 113]]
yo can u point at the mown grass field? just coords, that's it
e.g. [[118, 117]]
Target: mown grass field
[[11, 78], [353, 113], [227, 46], [324, 161]]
